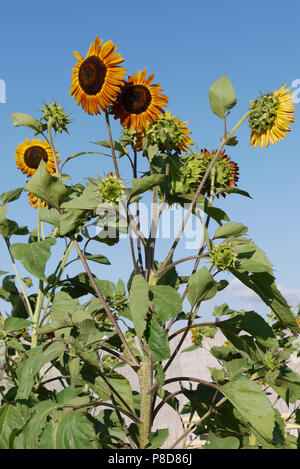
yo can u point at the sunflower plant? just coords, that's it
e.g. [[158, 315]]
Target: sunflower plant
[[85, 362]]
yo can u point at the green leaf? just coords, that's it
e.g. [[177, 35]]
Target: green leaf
[[158, 340], [139, 303], [157, 438], [73, 430], [50, 215], [117, 146], [221, 96], [88, 200], [71, 219], [254, 324], [264, 285], [21, 119], [12, 324], [230, 229], [37, 423], [37, 357], [217, 442], [34, 256], [141, 185], [252, 404], [97, 258], [166, 301], [10, 227], [11, 196], [10, 419], [46, 187], [233, 190], [63, 306], [202, 286]]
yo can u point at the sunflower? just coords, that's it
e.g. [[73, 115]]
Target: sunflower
[[34, 201], [138, 102], [270, 117], [97, 79], [30, 153], [176, 130], [195, 167]]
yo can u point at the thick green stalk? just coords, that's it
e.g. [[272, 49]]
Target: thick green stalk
[[145, 374]]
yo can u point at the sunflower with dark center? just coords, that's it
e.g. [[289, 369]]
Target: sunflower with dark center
[[139, 103], [30, 153], [34, 201], [226, 172], [96, 80], [270, 117]]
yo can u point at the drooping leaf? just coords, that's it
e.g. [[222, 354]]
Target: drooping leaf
[[252, 404], [158, 340], [202, 286], [34, 256], [36, 358], [254, 324], [141, 185], [11, 196], [97, 258], [46, 187], [139, 303], [20, 119], [264, 285], [166, 301]]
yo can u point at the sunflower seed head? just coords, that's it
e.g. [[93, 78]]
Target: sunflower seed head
[[263, 112]]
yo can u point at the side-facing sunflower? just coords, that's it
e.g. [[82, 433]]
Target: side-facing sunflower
[[270, 117], [176, 130], [30, 153], [34, 201], [226, 172], [138, 102], [97, 79]]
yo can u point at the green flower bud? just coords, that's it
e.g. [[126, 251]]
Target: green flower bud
[[111, 188], [223, 256], [56, 116]]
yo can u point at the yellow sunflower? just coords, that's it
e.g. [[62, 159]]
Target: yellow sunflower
[[270, 117], [30, 153], [97, 79], [138, 102], [184, 139], [34, 201]]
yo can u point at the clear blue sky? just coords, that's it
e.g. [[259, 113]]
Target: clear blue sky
[[188, 45]]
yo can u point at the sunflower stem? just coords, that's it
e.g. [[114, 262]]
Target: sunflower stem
[[113, 154], [29, 309], [40, 297], [57, 170]]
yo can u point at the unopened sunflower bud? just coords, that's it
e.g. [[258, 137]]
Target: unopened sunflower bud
[[223, 256], [111, 188], [56, 115]]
